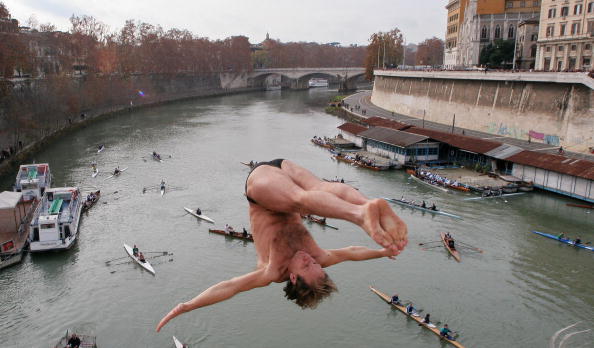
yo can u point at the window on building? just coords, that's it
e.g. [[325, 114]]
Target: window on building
[[590, 7], [533, 51], [575, 28], [536, 3], [571, 64], [560, 48], [559, 65], [591, 27], [522, 3], [510, 32], [562, 29], [509, 4], [497, 31], [484, 32], [564, 11], [552, 12], [550, 30], [547, 64], [534, 37], [586, 62], [548, 49], [587, 47], [573, 47], [577, 9]]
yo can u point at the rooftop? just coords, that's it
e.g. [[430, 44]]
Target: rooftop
[[392, 137]]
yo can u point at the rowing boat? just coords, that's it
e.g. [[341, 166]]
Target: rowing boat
[[146, 265], [177, 343], [318, 221], [157, 157], [89, 204], [418, 319], [203, 217], [112, 175], [101, 149], [585, 206], [414, 206], [237, 235], [454, 252], [564, 240], [95, 172], [498, 196], [443, 189], [162, 190]]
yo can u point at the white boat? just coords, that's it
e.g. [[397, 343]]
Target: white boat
[[498, 196], [177, 343], [32, 180], [55, 222], [146, 265], [203, 217], [95, 172], [317, 82], [112, 175], [101, 148], [162, 190], [443, 189], [415, 206]]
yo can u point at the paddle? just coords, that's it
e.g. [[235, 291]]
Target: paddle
[[437, 241], [470, 246], [157, 252], [425, 249], [119, 258]]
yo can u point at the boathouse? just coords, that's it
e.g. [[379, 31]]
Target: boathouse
[[350, 132], [401, 146]]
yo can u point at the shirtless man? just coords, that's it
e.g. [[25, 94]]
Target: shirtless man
[[280, 192]]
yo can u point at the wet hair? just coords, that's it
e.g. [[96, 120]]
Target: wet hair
[[309, 296]]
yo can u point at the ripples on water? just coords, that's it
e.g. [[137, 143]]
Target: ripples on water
[[517, 293]]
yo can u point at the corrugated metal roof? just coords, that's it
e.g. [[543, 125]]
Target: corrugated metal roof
[[560, 164], [9, 199], [392, 136], [384, 122], [463, 142], [352, 128], [504, 151]]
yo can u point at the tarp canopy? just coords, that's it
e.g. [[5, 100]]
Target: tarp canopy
[[9, 200]]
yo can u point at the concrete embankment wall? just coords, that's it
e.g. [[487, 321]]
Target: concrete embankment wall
[[554, 113], [35, 111]]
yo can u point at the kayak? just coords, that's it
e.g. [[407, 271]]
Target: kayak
[[162, 191], [177, 343], [158, 159], [112, 175], [203, 217], [416, 318], [319, 221], [101, 149], [414, 206], [565, 240], [146, 265], [237, 235], [454, 252], [95, 172]]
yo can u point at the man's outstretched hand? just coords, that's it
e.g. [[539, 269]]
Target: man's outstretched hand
[[384, 226]]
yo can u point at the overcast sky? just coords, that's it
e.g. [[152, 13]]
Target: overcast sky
[[344, 21]]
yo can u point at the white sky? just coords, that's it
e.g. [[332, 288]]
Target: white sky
[[344, 21]]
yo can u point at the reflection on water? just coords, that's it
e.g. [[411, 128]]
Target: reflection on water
[[517, 293]]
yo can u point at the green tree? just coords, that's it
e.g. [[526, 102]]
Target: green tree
[[498, 54], [384, 49]]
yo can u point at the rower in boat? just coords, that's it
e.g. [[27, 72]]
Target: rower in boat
[[229, 229], [450, 241], [162, 184], [561, 235], [117, 171], [100, 147], [410, 310], [433, 207], [427, 319], [198, 211], [135, 250], [577, 241], [245, 233], [141, 257], [396, 300], [445, 332], [424, 205], [278, 191], [73, 342]]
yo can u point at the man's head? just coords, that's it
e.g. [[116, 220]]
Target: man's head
[[308, 284]]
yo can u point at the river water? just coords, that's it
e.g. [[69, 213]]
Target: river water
[[517, 293]]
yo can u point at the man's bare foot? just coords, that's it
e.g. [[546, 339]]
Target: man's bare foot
[[383, 225]]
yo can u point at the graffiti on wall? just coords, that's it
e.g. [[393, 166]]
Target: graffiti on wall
[[502, 129]]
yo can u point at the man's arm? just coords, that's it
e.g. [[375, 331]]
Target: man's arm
[[220, 292], [354, 253]]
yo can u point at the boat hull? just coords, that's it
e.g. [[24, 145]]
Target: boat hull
[[564, 240], [454, 253], [437, 212], [145, 265], [203, 217], [237, 235], [442, 189], [418, 319]]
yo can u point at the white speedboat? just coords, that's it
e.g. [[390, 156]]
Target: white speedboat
[[32, 180], [146, 265], [56, 219]]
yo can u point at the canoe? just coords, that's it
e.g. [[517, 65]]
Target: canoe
[[454, 253], [177, 343], [101, 149], [418, 319], [564, 240], [318, 221], [500, 196], [203, 217], [146, 265], [585, 206], [237, 235], [89, 204], [95, 172], [443, 189], [111, 176], [407, 204]]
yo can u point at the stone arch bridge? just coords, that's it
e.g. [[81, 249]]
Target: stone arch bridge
[[298, 78]]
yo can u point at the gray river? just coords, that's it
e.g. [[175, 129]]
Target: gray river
[[517, 293]]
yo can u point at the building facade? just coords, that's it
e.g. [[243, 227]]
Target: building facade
[[486, 21], [526, 45], [455, 19], [566, 35]]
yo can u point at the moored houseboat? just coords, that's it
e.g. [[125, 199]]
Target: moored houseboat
[[55, 222], [32, 180], [15, 215]]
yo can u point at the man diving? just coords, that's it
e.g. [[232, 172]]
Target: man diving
[[279, 192]]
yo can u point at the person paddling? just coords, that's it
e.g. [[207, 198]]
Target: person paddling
[[198, 211], [577, 241], [279, 192], [135, 250], [410, 310], [445, 332], [396, 300], [141, 257]]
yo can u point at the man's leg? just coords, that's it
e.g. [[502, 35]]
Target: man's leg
[[293, 189]]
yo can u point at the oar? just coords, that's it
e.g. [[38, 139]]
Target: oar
[[157, 252], [471, 247], [425, 249], [437, 241], [119, 258]]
